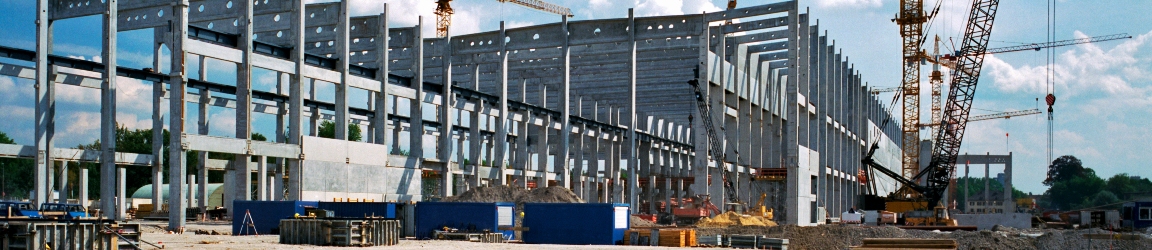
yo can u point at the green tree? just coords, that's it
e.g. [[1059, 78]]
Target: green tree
[[15, 174], [1065, 168], [328, 130], [259, 137], [1126, 187], [1068, 194], [1101, 200]]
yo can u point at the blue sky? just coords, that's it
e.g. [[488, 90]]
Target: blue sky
[[1104, 90]]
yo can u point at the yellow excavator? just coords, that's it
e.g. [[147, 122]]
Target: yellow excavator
[[760, 209]]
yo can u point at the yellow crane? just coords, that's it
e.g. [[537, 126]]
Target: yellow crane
[[444, 12]]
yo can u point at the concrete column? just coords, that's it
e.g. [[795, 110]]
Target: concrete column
[[45, 104], [562, 169], [296, 98], [50, 181], [108, 105], [157, 130], [380, 120], [1009, 202], [576, 176], [342, 40], [262, 178], [630, 144], [448, 98], [244, 108], [699, 136], [797, 194], [987, 185], [278, 181], [616, 147], [121, 193], [474, 141], [83, 199], [542, 150], [501, 139], [191, 180], [203, 127], [179, 82], [521, 158], [62, 185]]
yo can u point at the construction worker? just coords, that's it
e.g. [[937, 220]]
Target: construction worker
[[852, 210]]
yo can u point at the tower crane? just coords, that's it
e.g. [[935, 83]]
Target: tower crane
[[955, 115], [444, 12], [911, 19]]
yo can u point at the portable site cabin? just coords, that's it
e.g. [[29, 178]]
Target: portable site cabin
[[1137, 214]]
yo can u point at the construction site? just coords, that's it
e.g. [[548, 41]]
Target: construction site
[[745, 127]]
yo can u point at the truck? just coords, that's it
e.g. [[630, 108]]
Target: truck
[[19, 209]]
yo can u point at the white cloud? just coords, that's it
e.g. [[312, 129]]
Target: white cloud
[[13, 90], [18, 114], [77, 95], [1087, 69], [673, 7], [515, 24], [80, 127], [848, 3], [221, 123]]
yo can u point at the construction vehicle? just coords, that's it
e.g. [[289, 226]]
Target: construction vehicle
[[714, 148], [760, 209], [694, 209], [913, 198]]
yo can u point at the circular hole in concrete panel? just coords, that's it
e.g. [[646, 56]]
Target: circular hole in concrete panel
[[69, 5], [276, 18], [317, 44], [364, 52], [313, 15], [229, 4], [329, 55], [596, 32], [280, 34], [210, 25], [330, 43], [489, 42], [372, 40], [671, 26], [357, 40], [145, 17], [353, 27], [136, 18], [160, 13], [87, 3], [235, 22], [201, 8], [254, 36], [255, 2], [472, 44], [660, 27], [507, 39], [319, 29], [649, 27], [128, 19]]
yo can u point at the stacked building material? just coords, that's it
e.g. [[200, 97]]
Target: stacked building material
[[896, 243]]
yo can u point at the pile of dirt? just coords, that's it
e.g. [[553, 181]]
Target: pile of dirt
[[730, 218], [638, 222], [518, 195], [844, 236], [1074, 239]]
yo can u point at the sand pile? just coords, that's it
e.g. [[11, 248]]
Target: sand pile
[[518, 195], [638, 222], [734, 219]]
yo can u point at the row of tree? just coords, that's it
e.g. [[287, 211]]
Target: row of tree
[[1071, 186]]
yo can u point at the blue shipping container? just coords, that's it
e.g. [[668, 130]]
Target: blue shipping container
[[360, 209], [266, 215], [575, 223], [464, 216]]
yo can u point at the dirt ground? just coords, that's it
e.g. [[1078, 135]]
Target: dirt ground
[[223, 242], [818, 237]]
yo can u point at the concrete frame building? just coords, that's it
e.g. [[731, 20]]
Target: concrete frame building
[[598, 106]]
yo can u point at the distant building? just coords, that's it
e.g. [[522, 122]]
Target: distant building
[[993, 204]]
